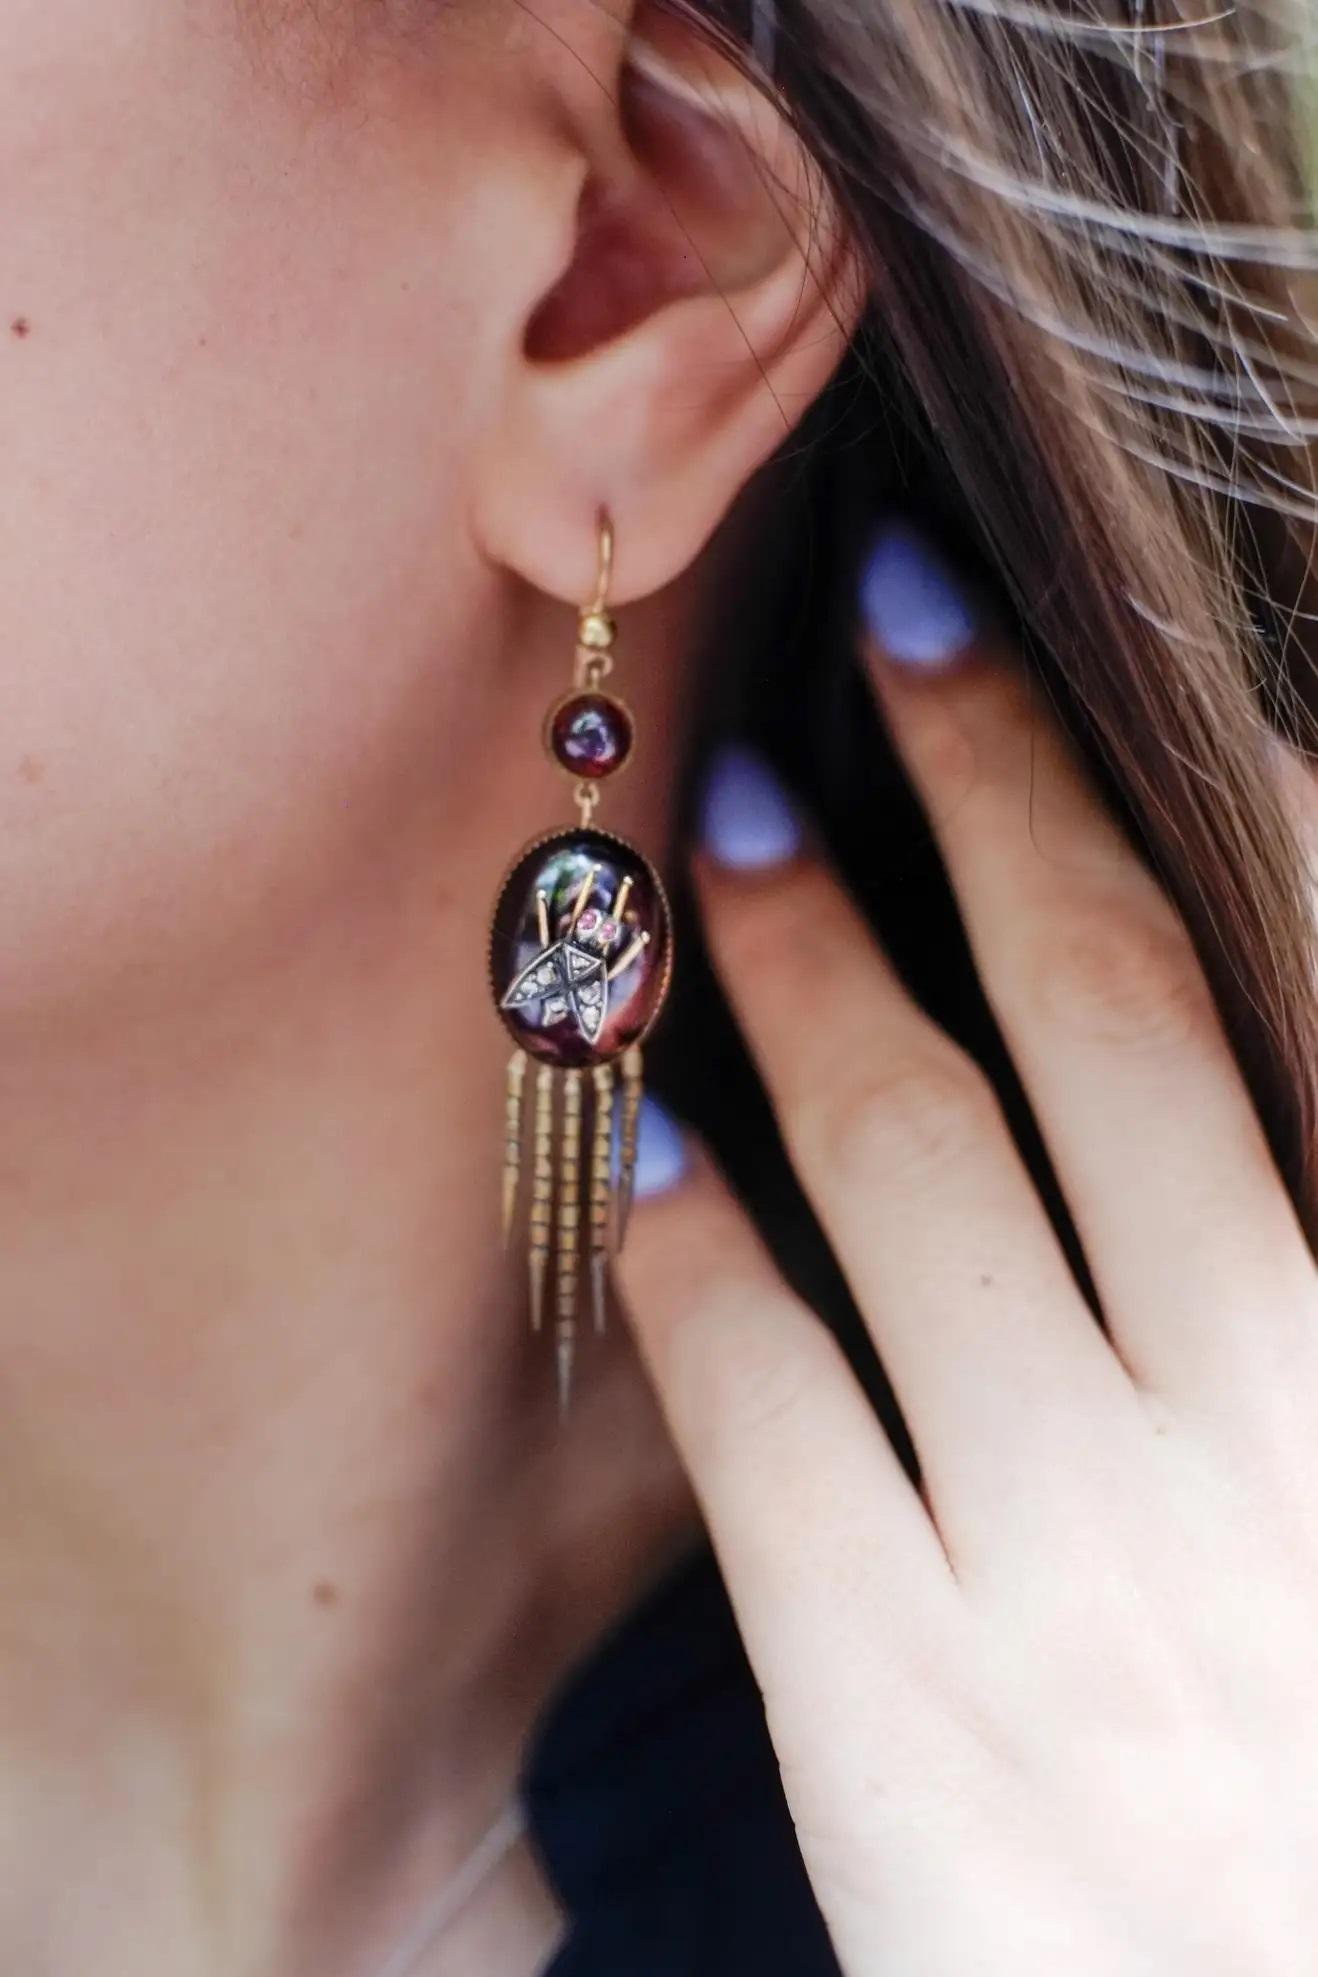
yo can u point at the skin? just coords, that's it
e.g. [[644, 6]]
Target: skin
[[326, 332], [294, 504], [1056, 1709]]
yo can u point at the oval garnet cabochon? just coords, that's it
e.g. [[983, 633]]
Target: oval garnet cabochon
[[580, 985]]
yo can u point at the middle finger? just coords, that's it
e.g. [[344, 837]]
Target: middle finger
[[901, 1146]]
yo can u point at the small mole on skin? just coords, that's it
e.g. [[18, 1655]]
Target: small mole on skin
[[20, 326], [31, 770], [325, 1593], [986, 1283]]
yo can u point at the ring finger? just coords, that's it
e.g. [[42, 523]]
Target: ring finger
[[1194, 1245]]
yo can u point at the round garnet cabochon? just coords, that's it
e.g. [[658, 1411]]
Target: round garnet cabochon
[[589, 984], [589, 734]]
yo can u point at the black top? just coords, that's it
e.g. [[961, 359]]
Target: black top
[[655, 1803]]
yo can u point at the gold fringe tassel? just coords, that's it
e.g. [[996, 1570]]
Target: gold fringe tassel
[[578, 1206]]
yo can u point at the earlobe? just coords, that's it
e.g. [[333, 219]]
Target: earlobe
[[707, 301]]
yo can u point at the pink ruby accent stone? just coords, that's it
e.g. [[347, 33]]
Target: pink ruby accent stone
[[590, 735], [589, 920], [608, 933]]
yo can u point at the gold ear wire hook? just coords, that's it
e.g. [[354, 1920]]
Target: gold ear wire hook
[[596, 630], [604, 575]]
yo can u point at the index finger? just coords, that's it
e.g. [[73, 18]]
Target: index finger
[[822, 1536]]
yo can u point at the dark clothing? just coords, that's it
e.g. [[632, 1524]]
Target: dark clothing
[[655, 1801]]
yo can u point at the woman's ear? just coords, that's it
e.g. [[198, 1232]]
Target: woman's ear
[[707, 299]]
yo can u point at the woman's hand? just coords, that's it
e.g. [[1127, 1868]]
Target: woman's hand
[[1061, 1715]]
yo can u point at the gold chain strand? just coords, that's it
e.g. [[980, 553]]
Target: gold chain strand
[[569, 1195], [565, 1347], [542, 1192], [512, 1148], [631, 1107], [601, 1178], [569, 1233]]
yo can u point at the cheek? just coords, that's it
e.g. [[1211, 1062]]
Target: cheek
[[232, 482]]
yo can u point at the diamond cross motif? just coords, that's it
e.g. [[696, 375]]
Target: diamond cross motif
[[565, 980]]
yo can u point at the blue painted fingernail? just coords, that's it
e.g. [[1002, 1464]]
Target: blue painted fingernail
[[915, 607], [661, 1156], [748, 821]]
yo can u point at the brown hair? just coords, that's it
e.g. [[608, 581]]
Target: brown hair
[[1084, 232]]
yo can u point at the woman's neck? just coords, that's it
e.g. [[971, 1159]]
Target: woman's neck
[[293, 1544]]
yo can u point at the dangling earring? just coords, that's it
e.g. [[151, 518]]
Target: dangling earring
[[580, 959]]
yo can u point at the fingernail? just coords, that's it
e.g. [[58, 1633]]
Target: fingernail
[[661, 1156], [916, 609], [747, 819]]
